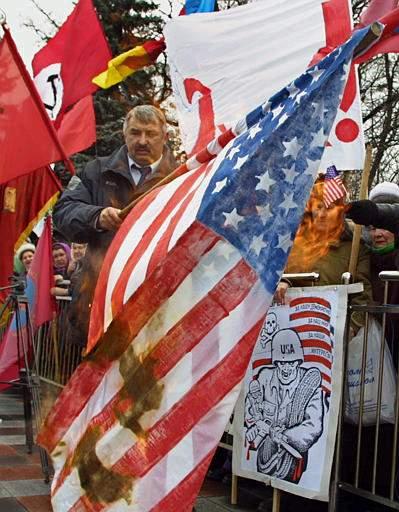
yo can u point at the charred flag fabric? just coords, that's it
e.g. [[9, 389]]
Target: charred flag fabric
[[186, 284]]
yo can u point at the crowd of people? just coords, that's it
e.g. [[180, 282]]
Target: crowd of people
[[89, 212]]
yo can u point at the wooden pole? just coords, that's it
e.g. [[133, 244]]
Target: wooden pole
[[363, 195], [234, 489], [276, 500], [182, 169]]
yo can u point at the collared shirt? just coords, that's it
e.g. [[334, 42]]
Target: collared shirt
[[134, 168]]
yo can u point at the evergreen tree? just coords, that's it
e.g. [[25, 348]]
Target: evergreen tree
[[127, 23]]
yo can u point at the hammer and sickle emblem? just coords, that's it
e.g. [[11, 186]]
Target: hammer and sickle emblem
[[51, 89], [52, 81]]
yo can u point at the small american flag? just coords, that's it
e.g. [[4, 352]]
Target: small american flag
[[183, 292], [333, 187]]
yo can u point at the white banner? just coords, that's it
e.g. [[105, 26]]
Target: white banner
[[225, 64], [286, 417]]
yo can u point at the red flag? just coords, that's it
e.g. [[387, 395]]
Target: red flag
[[377, 9], [64, 68], [23, 202], [16, 343], [40, 279], [27, 138], [77, 130]]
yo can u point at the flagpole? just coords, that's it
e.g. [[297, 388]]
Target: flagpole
[[32, 88], [52, 175], [363, 195], [182, 169]]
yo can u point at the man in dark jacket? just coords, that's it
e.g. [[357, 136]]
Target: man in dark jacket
[[89, 213]]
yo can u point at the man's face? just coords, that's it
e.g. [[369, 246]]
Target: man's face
[[287, 371], [144, 141], [78, 251]]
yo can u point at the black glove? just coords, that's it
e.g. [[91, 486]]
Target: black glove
[[363, 212]]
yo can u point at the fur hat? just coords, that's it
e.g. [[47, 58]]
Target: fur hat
[[24, 248], [385, 192]]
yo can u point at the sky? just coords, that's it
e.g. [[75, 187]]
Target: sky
[[20, 11]]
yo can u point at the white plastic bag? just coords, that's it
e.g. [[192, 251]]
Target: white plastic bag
[[354, 376]]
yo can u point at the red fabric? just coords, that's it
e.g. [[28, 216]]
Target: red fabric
[[41, 274], [389, 41], [81, 48], [32, 192], [77, 130], [376, 9], [154, 48], [27, 139]]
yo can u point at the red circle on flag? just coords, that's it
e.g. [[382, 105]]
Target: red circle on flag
[[347, 130]]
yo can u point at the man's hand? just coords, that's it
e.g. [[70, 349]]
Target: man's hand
[[109, 219], [279, 294], [363, 212]]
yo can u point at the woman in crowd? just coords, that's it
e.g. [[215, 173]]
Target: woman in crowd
[[61, 262], [25, 255], [385, 256], [61, 259]]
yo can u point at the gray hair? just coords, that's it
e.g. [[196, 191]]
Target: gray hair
[[145, 114]]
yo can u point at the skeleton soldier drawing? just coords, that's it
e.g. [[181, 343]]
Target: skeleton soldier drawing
[[284, 410]]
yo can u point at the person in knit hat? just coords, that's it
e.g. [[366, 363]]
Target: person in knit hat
[[25, 255], [385, 256], [381, 209], [385, 192]]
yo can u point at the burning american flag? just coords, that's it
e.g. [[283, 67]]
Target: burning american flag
[[183, 292]]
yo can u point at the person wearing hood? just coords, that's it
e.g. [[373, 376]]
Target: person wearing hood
[[61, 259]]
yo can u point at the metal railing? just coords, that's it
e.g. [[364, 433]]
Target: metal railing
[[367, 455], [57, 358]]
